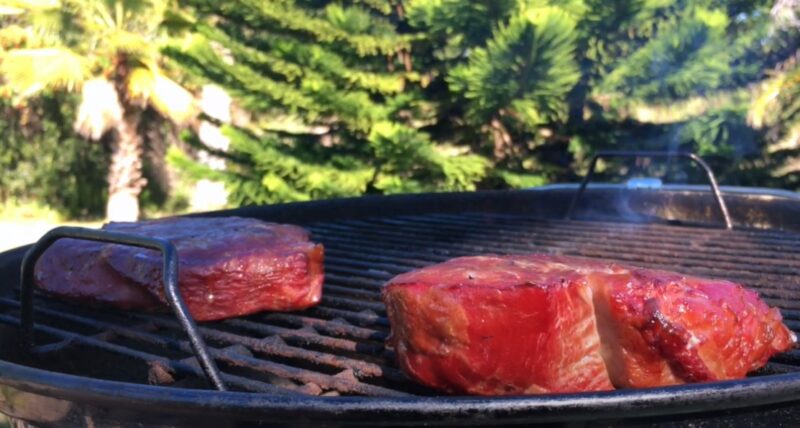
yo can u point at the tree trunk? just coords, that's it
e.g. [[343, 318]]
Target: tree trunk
[[576, 100], [125, 180], [501, 138]]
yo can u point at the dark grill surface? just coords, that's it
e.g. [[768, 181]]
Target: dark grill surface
[[337, 348]]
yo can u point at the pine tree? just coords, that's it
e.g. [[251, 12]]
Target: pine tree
[[328, 87], [684, 80], [775, 110], [520, 80], [352, 97]]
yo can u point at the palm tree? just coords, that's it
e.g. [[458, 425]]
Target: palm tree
[[109, 51]]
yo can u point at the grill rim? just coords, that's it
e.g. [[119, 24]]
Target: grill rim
[[632, 403], [548, 203], [781, 211]]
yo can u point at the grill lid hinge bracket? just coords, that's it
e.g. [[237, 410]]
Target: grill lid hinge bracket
[[645, 154]]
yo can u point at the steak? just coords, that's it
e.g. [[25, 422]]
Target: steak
[[528, 324], [228, 267]]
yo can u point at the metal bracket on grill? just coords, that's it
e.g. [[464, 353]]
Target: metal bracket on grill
[[645, 154], [170, 278]]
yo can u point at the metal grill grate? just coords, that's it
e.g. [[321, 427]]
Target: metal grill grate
[[337, 348]]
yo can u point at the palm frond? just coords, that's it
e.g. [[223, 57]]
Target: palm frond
[[123, 41], [10, 10], [141, 84], [100, 109], [28, 5], [27, 71], [171, 99], [45, 19], [13, 36]]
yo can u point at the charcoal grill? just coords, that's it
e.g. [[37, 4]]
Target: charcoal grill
[[327, 366]]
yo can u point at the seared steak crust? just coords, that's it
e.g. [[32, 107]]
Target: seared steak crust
[[522, 324]]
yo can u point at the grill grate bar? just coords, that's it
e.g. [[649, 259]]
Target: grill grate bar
[[334, 327], [765, 288], [766, 264], [181, 368], [307, 335], [721, 239], [644, 258], [791, 357], [693, 261], [340, 255], [337, 348], [782, 298], [724, 243], [358, 284], [777, 368], [277, 342], [378, 268], [355, 248], [268, 346], [657, 229], [762, 281], [345, 291], [366, 318], [343, 302]]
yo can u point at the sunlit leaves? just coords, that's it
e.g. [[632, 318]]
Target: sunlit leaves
[[28, 71], [78, 40], [173, 101], [283, 176], [464, 23], [328, 89], [695, 55], [527, 67], [100, 109], [404, 152]]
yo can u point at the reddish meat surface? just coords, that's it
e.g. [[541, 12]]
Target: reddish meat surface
[[525, 324], [227, 267]]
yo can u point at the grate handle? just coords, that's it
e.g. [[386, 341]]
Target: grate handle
[[170, 279], [645, 154]]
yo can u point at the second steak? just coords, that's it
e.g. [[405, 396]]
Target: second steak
[[527, 324]]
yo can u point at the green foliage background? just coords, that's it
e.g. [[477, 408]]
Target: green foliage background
[[43, 160], [351, 97], [355, 97]]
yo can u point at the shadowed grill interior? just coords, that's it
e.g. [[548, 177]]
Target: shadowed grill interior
[[337, 348]]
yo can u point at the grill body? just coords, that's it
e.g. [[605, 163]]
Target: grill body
[[328, 366]]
